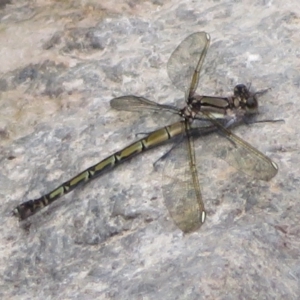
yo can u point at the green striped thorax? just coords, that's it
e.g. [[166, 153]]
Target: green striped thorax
[[242, 100]]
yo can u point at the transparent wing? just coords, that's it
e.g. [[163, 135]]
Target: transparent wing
[[185, 62], [238, 153], [181, 188], [134, 103]]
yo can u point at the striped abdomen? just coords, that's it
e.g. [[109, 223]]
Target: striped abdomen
[[155, 138]]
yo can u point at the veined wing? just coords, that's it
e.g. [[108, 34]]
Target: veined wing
[[238, 153], [181, 188], [135, 103], [185, 62], [184, 67]]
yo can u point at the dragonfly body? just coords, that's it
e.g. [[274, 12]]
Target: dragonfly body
[[181, 190]]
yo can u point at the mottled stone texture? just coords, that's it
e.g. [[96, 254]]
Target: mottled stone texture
[[61, 63]]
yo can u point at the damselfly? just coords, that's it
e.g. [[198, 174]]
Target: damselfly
[[181, 189]]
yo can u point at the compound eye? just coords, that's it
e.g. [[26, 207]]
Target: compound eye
[[251, 103], [241, 91]]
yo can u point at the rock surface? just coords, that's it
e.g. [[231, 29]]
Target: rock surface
[[61, 63]]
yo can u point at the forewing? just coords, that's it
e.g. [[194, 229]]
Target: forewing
[[185, 62]]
